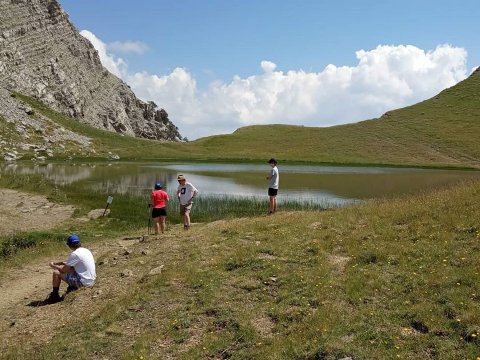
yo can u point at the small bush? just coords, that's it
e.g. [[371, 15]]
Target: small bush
[[11, 246]]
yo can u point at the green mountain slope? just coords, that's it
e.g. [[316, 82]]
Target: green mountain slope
[[441, 131]]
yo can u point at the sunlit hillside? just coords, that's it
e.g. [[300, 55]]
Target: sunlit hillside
[[440, 131]]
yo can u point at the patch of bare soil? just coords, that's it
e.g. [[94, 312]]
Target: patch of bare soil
[[21, 283], [339, 262], [23, 212], [264, 326]]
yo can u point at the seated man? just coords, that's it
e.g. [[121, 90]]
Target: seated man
[[77, 271]]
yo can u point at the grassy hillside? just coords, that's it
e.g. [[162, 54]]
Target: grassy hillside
[[385, 280], [441, 131]]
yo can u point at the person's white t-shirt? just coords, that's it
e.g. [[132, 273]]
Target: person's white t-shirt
[[82, 260], [274, 178], [186, 192]]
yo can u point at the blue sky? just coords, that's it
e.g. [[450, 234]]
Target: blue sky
[[217, 65]]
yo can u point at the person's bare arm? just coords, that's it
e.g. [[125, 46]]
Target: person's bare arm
[[61, 266]]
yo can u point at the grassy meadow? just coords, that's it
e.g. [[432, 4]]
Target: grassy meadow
[[382, 280]]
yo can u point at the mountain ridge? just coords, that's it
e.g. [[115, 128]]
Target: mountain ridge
[[42, 55]]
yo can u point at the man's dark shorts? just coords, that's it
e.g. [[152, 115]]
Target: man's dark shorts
[[73, 279], [156, 212], [272, 192]]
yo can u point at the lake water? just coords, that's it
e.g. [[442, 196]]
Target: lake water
[[318, 184]]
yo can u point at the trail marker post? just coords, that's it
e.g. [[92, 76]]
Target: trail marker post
[[109, 201]]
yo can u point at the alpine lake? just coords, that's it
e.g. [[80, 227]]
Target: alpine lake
[[329, 186]]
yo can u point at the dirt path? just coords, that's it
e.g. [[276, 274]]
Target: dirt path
[[32, 282], [22, 212], [19, 285], [25, 283]]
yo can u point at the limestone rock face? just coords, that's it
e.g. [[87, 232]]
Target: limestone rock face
[[42, 55]]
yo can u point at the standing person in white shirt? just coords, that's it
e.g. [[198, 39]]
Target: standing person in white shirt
[[186, 192], [273, 186], [78, 271]]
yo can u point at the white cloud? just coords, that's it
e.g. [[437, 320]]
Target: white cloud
[[268, 66], [384, 78], [135, 47], [177, 89]]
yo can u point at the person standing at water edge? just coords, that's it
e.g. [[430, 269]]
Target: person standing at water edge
[[159, 207], [78, 271], [186, 192], [273, 186]]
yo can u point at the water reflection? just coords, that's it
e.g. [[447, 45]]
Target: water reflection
[[319, 184], [59, 174]]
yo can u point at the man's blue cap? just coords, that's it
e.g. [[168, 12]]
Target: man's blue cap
[[73, 240], [158, 185]]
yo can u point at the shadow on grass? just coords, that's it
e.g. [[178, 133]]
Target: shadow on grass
[[37, 303]]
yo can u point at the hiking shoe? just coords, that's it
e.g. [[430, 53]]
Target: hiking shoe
[[53, 298], [71, 288]]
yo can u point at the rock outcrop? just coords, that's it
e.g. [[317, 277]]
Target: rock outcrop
[[42, 55], [23, 132]]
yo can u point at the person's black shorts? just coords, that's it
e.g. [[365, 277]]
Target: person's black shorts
[[272, 192], [156, 212]]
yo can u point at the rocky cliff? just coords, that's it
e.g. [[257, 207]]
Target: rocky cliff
[[42, 55]]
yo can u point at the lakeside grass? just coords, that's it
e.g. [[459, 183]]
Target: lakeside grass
[[128, 212], [381, 280]]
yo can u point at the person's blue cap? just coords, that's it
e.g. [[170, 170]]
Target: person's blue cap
[[158, 185], [73, 240]]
